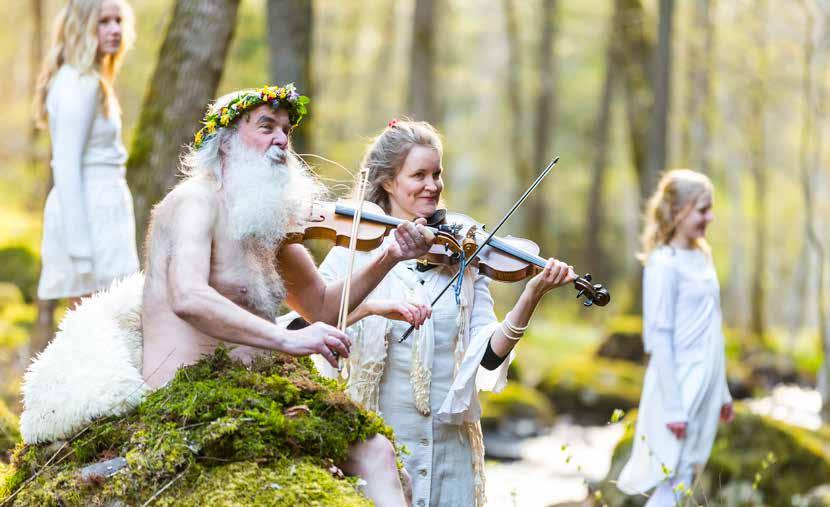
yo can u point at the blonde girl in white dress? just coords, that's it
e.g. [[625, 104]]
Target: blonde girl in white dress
[[684, 391], [426, 388], [88, 222]]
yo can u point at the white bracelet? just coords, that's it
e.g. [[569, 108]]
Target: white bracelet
[[516, 329], [510, 334]]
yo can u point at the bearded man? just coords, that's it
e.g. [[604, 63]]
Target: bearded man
[[217, 269]]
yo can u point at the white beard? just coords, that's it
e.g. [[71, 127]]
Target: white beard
[[266, 194]]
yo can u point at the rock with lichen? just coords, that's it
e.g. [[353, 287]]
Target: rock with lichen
[[220, 433]]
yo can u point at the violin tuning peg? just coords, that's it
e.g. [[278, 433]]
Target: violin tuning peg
[[587, 276], [580, 293], [587, 302]]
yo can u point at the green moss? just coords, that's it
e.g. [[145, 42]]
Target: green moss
[[222, 431], [628, 324], [789, 460], [9, 430], [591, 388], [515, 402], [19, 266]]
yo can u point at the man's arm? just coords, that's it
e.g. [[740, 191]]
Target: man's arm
[[203, 307], [308, 293]]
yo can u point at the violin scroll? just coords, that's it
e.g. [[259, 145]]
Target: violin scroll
[[595, 294]]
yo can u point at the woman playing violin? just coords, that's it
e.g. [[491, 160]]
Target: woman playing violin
[[426, 386]]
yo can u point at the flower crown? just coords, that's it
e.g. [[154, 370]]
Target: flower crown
[[276, 96]]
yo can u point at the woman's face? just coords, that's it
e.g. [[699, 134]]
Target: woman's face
[[416, 190], [693, 226], [109, 27]]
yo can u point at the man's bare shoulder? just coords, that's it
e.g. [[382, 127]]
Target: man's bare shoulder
[[193, 195]]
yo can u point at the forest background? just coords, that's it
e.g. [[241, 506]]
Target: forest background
[[620, 90]]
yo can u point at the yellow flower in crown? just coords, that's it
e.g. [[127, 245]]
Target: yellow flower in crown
[[211, 126], [282, 93], [225, 120], [198, 138]]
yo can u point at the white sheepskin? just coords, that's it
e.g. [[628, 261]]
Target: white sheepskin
[[91, 369]]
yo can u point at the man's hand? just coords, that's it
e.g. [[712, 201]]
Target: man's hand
[[678, 428], [412, 240], [727, 413], [414, 314], [318, 338]]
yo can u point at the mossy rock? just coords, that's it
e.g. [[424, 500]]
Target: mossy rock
[[516, 406], [18, 265], [623, 340], [755, 458], [221, 433], [591, 388], [9, 431]]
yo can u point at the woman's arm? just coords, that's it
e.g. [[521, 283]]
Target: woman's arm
[[659, 308], [75, 103], [555, 274]]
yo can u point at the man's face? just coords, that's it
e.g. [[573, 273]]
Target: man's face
[[265, 127]]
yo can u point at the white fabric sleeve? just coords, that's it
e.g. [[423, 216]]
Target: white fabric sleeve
[[483, 323], [75, 104], [727, 396], [659, 302]]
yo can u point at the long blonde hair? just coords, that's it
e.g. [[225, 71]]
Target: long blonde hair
[[75, 43], [676, 195], [388, 151]]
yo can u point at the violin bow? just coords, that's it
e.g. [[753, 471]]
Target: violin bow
[[343, 318], [507, 215]]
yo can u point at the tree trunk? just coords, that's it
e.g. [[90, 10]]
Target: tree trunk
[[757, 166], [184, 82], [290, 28], [658, 131], [383, 108], [594, 254], [546, 117], [518, 150], [421, 102], [697, 121], [44, 325], [634, 52], [810, 150]]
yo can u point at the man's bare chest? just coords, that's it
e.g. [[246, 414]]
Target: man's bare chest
[[246, 273]]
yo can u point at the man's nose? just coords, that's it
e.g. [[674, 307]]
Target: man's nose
[[281, 139]]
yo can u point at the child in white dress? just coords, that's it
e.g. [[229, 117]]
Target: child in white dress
[[88, 222], [684, 391]]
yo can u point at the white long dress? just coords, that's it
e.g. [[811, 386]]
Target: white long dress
[[686, 375], [442, 460], [88, 221]]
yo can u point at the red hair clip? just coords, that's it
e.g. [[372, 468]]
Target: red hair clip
[[392, 123]]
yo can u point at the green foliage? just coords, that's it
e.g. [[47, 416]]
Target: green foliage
[[591, 388], [775, 460], [254, 435], [19, 266], [515, 402]]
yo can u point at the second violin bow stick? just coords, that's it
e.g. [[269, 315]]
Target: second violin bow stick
[[507, 215]]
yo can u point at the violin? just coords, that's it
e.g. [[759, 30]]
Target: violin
[[457, 237], [508, 259], [332, 221]]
